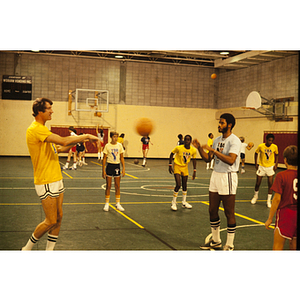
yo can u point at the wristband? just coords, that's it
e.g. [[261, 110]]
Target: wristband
[[194, 170]]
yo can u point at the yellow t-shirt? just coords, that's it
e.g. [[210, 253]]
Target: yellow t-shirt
[[44, 156], [120, 140], [209, 143], [183, 155], [266, 154]]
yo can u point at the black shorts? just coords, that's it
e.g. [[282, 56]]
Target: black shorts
[[113, 170], [242, 155], [80, 148]]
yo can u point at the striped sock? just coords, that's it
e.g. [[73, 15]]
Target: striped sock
[[51, 242], [118, 199], [230, 234], [30, 243], [215, 229], [175, 194], [184, 193]]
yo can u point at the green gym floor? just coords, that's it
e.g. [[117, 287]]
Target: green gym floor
[[148, 223]]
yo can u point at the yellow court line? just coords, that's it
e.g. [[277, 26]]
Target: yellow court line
[[134, 222], [95, 163], [131, 176], [244, 217], [67, 174]]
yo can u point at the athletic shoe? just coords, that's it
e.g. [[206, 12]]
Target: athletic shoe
[[65, 168], [211, 245], [106, 207], [119, 207], [186, 205], [73, 168], [174, 206], [269, 203], [84, 163], [228, 248], [243, 171], [253, 201]]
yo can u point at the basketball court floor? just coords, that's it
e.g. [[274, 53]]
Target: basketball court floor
[[148, 223]]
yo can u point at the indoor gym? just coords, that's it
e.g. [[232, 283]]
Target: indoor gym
[[179, 98]]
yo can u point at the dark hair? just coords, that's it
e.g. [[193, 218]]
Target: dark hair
[[180, 136], [291, 155], [209, 134], [112, 133], [72, 129], [187, 136], [230, 119], [39, 105], [122, 135], [270, 135], [242, 139]]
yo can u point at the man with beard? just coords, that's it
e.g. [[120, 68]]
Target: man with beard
[[223, 182]]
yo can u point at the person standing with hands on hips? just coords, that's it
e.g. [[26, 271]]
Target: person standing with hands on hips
[[224, 180]]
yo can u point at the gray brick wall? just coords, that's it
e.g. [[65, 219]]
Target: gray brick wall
[[153, 84]]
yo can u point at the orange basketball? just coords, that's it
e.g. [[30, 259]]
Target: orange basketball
[[251, 144], [99, 114], [213, 76], [144, 126]]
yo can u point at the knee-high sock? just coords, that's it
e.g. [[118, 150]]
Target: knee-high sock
[[215, 229], [230, 234]]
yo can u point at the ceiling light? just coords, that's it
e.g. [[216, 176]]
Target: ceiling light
[[224, 52], [119, 56]]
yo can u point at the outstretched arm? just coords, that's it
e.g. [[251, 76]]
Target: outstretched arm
[[65, 143]]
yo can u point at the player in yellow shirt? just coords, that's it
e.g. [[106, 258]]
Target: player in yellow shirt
[[184, 153], [44, 146], [268, 162], [210, 144]]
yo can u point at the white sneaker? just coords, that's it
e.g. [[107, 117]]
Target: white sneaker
[[269, 203], [243, 171], [174, 206], [253, 201], [119, 207], [228, 248], [65, 167], [84, 163], [186, 205], [106, 207]]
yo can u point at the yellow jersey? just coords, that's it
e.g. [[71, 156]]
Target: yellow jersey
[[183, 155], [209, 143], [266, 154], [44, 156]]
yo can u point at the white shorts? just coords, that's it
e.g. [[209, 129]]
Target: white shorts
[[50, 189], [223, 183], [265, 171]]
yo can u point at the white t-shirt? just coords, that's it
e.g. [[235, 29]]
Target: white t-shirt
[[243, 147], [113, 152], [232, 144]]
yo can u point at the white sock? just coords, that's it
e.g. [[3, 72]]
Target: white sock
[[101, 155], [230, 235], [256, 194], [175, 195], [269, 197], [215, 230], [31, 242], [184, 193], [98, 155], [51, 242]]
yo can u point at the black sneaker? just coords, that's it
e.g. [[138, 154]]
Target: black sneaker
[[211, 245]]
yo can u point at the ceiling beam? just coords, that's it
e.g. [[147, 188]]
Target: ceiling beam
[[234, 59]]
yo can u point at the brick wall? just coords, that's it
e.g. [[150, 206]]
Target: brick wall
[[153, 84]]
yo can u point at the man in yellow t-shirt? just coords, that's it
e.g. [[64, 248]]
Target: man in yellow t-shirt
[[44, 146], [268, 162], [210, 144], [184, 153]]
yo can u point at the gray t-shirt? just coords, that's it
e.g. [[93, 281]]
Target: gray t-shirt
[[232, 144]]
